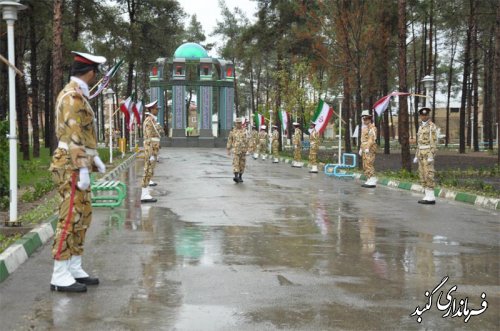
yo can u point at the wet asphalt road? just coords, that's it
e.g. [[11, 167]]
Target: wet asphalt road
[[285, 250]]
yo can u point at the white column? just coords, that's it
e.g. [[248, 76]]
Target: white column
[[12, 124]]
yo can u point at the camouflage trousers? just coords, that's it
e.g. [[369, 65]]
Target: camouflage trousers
[[251, 146], [239, 161], [275, 147], [426, 168], [368, 164], [262, 147], [75, 212], [150, 149], [313, 155], [297, 153]]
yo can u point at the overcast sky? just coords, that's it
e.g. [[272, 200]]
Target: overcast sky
[[208, 13]]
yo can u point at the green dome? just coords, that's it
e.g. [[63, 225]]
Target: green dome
[[190, 51]]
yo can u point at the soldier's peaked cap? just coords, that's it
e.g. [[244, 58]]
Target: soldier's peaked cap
[[88, 58], [237, 120], [424, 111], [275, 126], [151, 104], [263, 127], [366, 113], [295, 123]]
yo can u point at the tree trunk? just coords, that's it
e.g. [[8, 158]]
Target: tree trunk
[[57, 65], [497, 78], [488, 90], [475, 87], [403, 111], [465, 79], [450, 82], [47, 109], [34, 84]]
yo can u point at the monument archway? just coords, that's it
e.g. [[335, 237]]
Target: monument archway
[[191, 87]]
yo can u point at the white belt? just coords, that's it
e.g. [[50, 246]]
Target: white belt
[[63, 145], [91, 151], [155, 139], [424, 147]]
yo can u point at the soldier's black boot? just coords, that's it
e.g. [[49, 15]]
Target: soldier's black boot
[[239, 178], [236, 178]]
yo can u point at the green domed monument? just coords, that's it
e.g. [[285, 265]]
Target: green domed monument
[[192, 87]]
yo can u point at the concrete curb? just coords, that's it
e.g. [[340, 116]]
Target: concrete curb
[[473, 199], [17, 253]]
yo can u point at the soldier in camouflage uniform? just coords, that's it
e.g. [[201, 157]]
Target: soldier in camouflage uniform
[[254, 141], [275, 144], [263, 142], [314, 146], [74, 158], [237, 141], [426, 154], [152, 134], [297, 146], [368, 148]]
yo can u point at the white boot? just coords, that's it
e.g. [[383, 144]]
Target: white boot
[[75, 267], [294, 163], [429, 195], [151, 183], [145, 196], [275, 160], [264, 156], [61, 276], [314, 169], [255, 156], [299, 164]]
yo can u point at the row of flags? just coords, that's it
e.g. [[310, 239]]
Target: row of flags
[[132, 109]]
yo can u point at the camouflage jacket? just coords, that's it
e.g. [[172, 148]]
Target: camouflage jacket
[[151, 128], [262, 136], [296, 139], [237, 140], [275, 136], [75, 126], [369, 137], [427, 137], [314, 138]]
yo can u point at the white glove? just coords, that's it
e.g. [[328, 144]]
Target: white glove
[[430, 159], [415, 160], [367, 151], [152, 158], [84, 181], [360, 152], [99, 164]]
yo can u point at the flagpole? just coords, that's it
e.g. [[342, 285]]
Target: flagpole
[[99, 82], [340, 97]]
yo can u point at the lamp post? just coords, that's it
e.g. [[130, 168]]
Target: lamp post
[[340, 97], [109, 97], [10, 9], [270, 131], [428, 82]]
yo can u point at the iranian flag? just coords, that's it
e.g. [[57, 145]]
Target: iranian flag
[[258, 120], [126, 108], [284, 121], [106, 79], [322, 116], [381, 105], [137, 110]]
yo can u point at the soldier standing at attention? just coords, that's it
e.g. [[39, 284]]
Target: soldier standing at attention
[[255, 142], [368, 148], [297, 146], [263, 142], [151, 131], [314, 146], [275, 144], [237, 141], [426, 153], [74, 158]]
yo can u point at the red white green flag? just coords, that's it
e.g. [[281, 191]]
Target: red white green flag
[[258, 120], [284, 118], [322, 116]]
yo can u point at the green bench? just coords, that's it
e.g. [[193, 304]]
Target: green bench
[[107, 193]]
